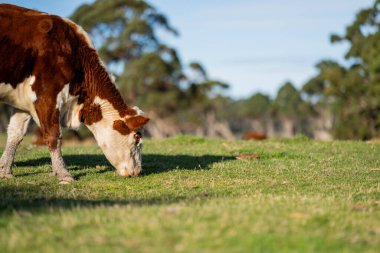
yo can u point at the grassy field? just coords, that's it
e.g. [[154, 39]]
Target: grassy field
[[195, 196]]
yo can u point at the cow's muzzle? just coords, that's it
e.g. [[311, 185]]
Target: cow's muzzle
[[130, 172]]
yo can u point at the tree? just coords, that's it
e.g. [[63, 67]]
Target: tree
[[202, 94], [255, 107], [290, 112], [353, 91], [288, 102]]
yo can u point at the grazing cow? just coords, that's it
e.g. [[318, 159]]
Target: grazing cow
[[50, 71]]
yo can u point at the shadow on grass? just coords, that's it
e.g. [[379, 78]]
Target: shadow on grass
[[36, 199], [152, 163], [39, 198]]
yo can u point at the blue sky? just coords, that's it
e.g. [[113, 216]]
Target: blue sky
[[254, 45]]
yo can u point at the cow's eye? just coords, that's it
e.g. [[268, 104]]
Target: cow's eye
[[138, 137]]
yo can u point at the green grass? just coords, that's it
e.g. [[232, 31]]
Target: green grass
[[194, 196]]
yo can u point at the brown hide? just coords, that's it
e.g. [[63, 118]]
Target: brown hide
[[57, 53]]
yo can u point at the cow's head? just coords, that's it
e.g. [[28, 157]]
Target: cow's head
[[120, 138]]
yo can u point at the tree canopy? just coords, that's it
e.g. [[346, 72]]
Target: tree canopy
[[352, 90]]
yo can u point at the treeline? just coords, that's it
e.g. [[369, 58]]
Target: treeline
[[342, 101]]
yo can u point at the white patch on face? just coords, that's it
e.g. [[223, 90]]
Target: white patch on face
[[22, 97], [120, 150], [125, 168]]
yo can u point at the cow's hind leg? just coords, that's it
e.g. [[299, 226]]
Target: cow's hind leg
[[16, 130]]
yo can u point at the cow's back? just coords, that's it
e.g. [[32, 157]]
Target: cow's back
[[32, 43]]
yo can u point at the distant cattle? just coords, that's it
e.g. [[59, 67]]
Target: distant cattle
[[51, 72], [250, 135]]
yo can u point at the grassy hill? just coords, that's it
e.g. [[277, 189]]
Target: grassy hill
[[195, 196]]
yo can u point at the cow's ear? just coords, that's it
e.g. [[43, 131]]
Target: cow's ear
[[136, 122]]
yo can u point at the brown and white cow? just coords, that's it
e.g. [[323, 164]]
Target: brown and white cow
[[50, 71]]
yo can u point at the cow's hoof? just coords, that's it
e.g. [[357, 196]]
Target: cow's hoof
[[66, 179], [63, 176]]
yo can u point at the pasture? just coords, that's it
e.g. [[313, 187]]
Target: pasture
[[195, 196]]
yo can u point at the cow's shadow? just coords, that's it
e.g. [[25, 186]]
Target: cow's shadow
[[152, 163], [34, 198]]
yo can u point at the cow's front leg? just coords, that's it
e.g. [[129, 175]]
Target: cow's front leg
[[48, 116], [17, 127], [58, 165]]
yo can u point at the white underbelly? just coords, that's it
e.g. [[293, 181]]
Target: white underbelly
[[22, 97]]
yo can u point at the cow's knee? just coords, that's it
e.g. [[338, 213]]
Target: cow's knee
[[17, 127], [51, 142]]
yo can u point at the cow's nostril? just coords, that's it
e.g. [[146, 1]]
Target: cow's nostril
[[137, 171]]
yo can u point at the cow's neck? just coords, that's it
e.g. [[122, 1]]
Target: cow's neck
[[98, 84], [103, 103]]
